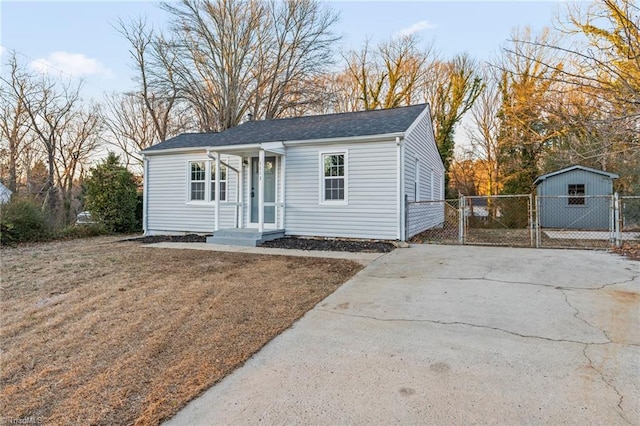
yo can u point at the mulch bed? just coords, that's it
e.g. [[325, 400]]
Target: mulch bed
[[353, 246], [330, 245], [152, 239]]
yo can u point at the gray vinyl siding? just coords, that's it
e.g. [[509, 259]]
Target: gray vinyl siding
[[168, 207], [420, 145], [372, 198], [555, 211]]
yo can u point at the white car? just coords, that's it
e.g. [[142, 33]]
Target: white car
[[84, 218]]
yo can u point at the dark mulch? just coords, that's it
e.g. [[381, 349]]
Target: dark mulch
[[330, 245], [190, 238], [285, 243]]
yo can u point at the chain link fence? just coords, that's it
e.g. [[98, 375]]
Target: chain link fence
[[629, 218], [532, 221], [446, 231]]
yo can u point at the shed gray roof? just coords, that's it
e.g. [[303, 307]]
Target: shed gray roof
[[343, 125], [576, 167]]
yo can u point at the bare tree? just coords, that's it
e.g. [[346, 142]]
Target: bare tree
[[79, 142], [231, 57], [14, 120], [454, 87], [484, 131], [390, 75], [158, 93]]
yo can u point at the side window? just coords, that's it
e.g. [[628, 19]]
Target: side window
[[197, 181], [576, 194], [334, 177], [223, 182]]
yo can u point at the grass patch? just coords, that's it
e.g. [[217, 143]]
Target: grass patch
[[98, 331]]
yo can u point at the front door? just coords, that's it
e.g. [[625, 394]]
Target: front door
[[269, 189]]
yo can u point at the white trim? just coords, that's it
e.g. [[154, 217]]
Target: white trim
[[206, 182], [425, 111], [261, 191], [321, 178], [216, 189], [385, 137], [542, 178], [282, 191], [400, 202], [145, 193], [403, 215]]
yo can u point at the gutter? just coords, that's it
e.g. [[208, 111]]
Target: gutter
[[264, 145], [400, 208]]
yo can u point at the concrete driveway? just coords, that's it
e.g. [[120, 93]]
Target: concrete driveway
[[452, 335]]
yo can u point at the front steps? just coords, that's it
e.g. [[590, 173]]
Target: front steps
[[244, 237]]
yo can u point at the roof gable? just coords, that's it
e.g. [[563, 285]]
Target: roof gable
[[330, 126], [539, 179]]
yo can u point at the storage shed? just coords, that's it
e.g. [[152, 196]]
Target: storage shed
[[575, 197]]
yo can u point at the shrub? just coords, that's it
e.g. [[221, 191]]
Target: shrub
[[111, 195], [82, 231], [23, 220]]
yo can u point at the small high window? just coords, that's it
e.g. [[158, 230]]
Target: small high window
[[576, 194]]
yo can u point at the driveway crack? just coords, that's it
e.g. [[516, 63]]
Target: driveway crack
[[513, 333], [485, 278], [609, 383], [576, 315]]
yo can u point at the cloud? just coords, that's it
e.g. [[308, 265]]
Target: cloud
[[75, 64], [2, 50], [415, 28]]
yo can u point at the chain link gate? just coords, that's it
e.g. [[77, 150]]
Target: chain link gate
[[532, 221], [505, 220], [628, 220]]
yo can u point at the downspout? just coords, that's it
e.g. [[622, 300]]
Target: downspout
[[145, 194], [400, 208]]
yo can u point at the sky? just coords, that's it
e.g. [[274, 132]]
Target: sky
[[79, 38]]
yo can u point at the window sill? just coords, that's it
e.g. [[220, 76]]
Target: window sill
[[334, 203]]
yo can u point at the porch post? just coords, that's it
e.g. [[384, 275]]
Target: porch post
[[282, 191], [261, 192], [216, 184]]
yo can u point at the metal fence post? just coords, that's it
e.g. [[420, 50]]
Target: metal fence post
[[531, 219], [461, 217], [538, 239], [616, 220]]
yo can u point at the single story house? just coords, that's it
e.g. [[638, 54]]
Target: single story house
[[346, 175], [575, 197]]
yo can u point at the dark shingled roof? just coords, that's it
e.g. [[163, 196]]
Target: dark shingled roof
[[344, 125]]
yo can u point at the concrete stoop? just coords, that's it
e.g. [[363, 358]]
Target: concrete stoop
[[244, 237]]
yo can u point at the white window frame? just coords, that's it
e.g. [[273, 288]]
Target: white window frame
[[321, 178], [209, 165], [212, 168], [190, 181]]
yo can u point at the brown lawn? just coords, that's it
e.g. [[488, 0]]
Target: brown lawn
[[98, 331]]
